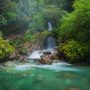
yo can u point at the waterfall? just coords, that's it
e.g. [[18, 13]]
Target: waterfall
[[51, 41], [51, 44], [49, 26]]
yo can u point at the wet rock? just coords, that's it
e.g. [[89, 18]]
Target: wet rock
[[47, 52], [22, 51], [48, 59], [17, 56], [45, 59]]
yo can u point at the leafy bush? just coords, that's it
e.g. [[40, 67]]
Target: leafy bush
[[73, 50], [23, 51], [21, 40], [39, 37], [5, 48], [27, 37], [2, 20], [16, 42], [38, 22]]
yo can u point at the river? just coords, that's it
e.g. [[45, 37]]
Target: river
[[58, 76]]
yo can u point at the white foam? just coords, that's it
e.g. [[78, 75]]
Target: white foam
[[55, 66], [34, 55]]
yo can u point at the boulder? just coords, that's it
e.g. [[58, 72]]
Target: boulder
[[48, 59]]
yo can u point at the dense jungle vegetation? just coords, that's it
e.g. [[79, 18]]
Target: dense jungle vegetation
[[25, 21]]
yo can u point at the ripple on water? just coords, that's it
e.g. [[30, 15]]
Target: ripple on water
[[55, 66], [58, 76]]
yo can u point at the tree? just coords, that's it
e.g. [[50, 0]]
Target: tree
[[52, 13], [8, 10], [76, 24]]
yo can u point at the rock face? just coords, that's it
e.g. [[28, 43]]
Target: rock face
[[21, 54], [23, 50], [16, 56]]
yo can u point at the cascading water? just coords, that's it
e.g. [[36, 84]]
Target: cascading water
[[51, 41], [35, 55], [49, 26], [51, 44]]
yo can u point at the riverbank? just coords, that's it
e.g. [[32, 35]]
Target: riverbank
[[22, 51]]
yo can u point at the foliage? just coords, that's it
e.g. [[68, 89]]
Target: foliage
[[76, 24], [2, 20], [10, 16], [23, 51], [8, 10], [5, 48], [74, 51], [63, 4], [52, 13], [27, 37], [73, 29], [41, 12], [40, 37], [38, 22], [1, 35], [17, 16], [32, 37], [16, 42]]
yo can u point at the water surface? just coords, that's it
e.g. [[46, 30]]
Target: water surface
[[45, 77]]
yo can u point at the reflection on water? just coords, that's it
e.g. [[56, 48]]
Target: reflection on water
[[43, 78]]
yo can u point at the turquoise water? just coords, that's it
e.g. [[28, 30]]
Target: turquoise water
[[47, 77]]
